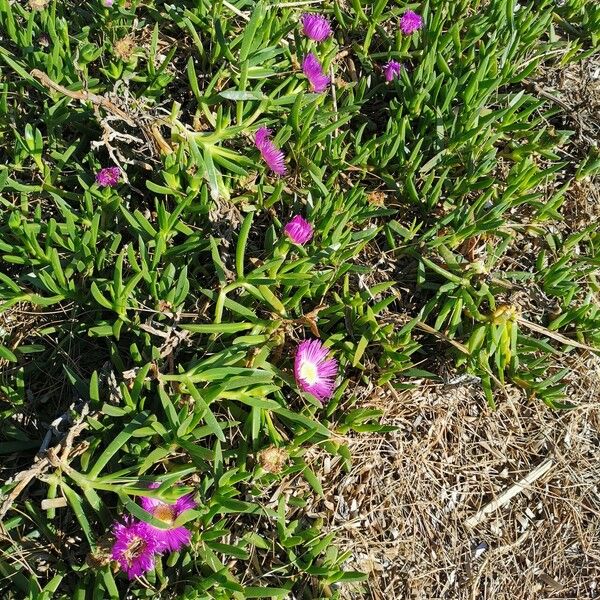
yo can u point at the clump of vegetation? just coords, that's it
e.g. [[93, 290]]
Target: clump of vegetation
[[222, 224]]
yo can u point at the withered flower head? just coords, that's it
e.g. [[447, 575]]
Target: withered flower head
[[38, 4], [125, 47], [273, 459]]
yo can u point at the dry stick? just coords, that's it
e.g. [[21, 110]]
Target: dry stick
[[25, 477], [537, 88], [236, 10], [436, 333], [555, 336], [83, 96], [109, 106], [506, 496]]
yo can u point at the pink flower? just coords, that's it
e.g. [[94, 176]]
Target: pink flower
[[108, 177], [316, 27], [410, 22], [174, 538], [107, 3], [314, 372], [135, 546], [299, 230], [311, 67], [391, 69], [272, 155]]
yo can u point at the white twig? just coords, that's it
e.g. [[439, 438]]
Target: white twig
[[506, 496], [291, 4], [236, 10], [333, 97]]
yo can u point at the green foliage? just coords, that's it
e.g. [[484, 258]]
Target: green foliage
[[170, 306]]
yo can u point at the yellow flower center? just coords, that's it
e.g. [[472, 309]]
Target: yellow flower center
[[136, 548], [308, 372], [165, 513]]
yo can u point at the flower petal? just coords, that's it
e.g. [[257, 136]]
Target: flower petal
[[172, 540], [311, 361]]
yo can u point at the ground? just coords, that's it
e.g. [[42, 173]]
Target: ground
[[404, 506]]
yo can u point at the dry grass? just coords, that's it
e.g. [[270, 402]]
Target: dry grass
[[401, 510], [576, 89]]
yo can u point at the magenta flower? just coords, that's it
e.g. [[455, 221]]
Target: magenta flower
[[272, 155], [410, 22], [174, 538], [134, 548], [108, 177], [315, 27], [311, 67], [314, 372], [299, 230], [391, 69]]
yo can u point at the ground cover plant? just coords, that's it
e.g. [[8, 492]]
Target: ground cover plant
[[223, 224]]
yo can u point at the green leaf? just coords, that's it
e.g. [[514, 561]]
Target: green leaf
[[205, 411], [258, 592], [241, 244], [216, 327], [116, 444], [6, 354], [313, 480]]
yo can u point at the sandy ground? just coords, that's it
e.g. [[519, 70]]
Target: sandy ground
[[414, 508]]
